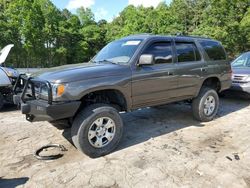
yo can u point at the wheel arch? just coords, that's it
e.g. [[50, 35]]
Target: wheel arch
[[111, 96], [212, 82]]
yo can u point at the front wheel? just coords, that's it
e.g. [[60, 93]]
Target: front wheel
[[205, 105], [97, 130]]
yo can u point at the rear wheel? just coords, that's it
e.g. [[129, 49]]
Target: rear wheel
[[205, 105], [97, 130]]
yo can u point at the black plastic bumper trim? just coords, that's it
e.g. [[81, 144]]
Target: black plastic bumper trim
[[37, 110]]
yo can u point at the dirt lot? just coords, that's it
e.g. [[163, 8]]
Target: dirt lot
[[161, 148]]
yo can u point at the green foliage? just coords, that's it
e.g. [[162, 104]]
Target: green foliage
[[86, 16], [45, 36]]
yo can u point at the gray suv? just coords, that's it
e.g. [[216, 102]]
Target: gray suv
[[133, 72]]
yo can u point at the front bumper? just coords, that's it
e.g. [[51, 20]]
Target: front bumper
[[38, 110], [243, 87]]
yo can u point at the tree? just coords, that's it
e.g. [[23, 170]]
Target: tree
[[221, 20], [86, 16], [45, 36]]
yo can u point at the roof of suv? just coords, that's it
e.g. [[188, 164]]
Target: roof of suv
[[148, 36]]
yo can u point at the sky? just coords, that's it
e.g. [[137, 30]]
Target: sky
[[104, 9]]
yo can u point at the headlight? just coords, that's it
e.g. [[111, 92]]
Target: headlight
[[247, 79], [57, 91]]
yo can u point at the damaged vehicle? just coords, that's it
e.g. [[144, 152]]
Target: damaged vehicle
[[8, 77], [131, 73]]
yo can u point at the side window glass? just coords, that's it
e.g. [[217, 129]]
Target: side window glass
[[187, 52], [242, 61], [162, 52], [214, 50]]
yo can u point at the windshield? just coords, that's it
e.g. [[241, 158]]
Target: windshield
[[118, 51], [242, 61]]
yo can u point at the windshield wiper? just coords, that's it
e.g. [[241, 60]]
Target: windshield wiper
[[107, 61]]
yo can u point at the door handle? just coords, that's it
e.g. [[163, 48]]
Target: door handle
[[203, 70], [170, 73]]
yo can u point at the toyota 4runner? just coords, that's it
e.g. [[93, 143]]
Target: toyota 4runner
[[133, 72]]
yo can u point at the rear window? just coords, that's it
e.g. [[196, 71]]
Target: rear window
[[214, 50], [187, 52]]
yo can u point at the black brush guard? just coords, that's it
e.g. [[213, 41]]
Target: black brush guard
[[23, 81], [37, 109]]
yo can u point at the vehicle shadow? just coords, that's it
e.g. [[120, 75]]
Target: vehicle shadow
[[144, 124], [8, 108], [232, 102], [14, 182]]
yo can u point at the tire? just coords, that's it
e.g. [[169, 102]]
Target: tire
[[87, 134], [204, 109], [1, 101]]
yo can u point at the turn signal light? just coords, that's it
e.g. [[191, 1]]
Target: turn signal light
[[60, 90]]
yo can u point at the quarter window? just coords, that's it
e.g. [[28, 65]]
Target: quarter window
[[187, 52], [214, 50], [162, 52]]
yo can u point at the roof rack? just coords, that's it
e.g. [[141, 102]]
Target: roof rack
[[177, 35], [139, 34], [192, 36]]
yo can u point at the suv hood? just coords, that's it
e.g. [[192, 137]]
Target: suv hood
[[5, 52], [241, 70], [77, 72]]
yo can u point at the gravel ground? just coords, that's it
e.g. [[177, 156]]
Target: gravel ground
[[161, 147]]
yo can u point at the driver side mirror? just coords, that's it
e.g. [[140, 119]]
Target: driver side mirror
[[146, 59]]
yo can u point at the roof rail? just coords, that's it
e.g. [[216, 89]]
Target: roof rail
[[193, 36], [141, 34]]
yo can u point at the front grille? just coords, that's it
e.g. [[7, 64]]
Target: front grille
[[239, 77], [239, 82], [34, 89], [38, 89]]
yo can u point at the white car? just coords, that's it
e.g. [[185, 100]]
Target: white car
[[8, 77]]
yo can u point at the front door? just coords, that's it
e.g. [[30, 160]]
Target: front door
[[154, 84]]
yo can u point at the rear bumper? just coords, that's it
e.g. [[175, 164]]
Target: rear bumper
[[38, 110]]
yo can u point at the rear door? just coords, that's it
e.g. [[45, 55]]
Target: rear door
[[218, 63], [154, 84], [191, 67]]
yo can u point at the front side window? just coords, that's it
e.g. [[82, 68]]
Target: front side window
[[242, 61], [187, 52], [214, 50], [118, 51], [162, 52]]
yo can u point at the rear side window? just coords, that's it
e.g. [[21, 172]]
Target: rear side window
[[214, 50], [162, 52], [187, 52]]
